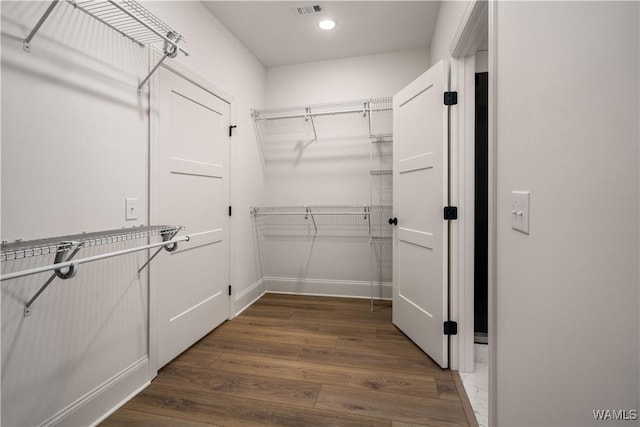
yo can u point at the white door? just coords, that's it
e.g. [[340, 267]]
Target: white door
[[190, 188], [420, 192]]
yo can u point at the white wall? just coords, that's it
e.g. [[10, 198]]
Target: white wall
[[329, 171], [74, 145], [567, 294], [344, 79], [449, 16]]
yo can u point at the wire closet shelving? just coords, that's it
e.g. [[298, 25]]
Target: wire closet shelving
[[65, 248], [362, 118], [130, 19], [324, 220], [283, 131], [365, 223]]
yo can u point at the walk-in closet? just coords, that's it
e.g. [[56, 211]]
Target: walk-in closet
[[318, 213]]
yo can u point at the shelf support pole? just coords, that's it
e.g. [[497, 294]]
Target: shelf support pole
[[309, 212], [27, 306], [173, 248], [368, 107], [151, 72], [308, 116], [26, 44], [170, 51]]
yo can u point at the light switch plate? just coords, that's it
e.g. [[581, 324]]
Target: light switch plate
[[131, 206], [520, 211]]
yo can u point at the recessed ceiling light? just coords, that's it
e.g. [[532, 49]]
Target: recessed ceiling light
[[327, 24]]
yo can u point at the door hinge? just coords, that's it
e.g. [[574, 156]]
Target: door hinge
[[450, 213], [450, 327], [231, 128], [450, 98], [229, 289], [229, 210]]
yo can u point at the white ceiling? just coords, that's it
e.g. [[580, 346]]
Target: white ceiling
[[276, 35]]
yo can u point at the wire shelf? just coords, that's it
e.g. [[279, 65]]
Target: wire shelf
[[25, 249], [361, 221], [130, 19], [281, 130], [359, 106], [381, 138], [326, 221]]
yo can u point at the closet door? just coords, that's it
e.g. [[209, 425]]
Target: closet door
[[420, 191], [191, 188]]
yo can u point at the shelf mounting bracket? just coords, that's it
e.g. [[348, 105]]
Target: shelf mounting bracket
[[168, 248], [60, 255], [308, 116], [26, 44], [310, 213], [170, 51]]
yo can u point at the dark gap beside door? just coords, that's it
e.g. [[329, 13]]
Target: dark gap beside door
[[481, 207]]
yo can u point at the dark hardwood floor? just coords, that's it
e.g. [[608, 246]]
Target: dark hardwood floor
[[300, 361]]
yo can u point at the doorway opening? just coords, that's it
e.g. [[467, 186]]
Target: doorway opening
[[481, 208]]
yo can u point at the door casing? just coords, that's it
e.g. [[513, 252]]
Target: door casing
[[471, 32], [478, 21]]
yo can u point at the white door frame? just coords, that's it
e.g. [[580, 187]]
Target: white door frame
[[479, 19], [156, 55], [493, 206], [466, 41], [462, 156]]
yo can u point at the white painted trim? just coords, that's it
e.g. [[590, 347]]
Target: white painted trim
[[468, 38], [482, 61], [456, 179], [121, 403], [250, 295], [152, 86], [462, 231], [103, 400], [493, 179], [329, 288], [467, 217], [463, 192], [233, 220], [470, 32]]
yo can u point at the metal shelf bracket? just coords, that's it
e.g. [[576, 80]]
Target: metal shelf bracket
[[68, 273], [309, 117], [170, 51], [310, 213], [26, 44], [66, 248], [128, 18], [169, 248]]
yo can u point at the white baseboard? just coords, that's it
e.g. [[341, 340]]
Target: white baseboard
[[247, 297], [333, 288], [95, 406]]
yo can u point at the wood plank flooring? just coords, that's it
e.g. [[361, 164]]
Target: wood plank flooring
[[300, 361]]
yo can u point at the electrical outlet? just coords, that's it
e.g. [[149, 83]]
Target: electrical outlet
[[131, 206]]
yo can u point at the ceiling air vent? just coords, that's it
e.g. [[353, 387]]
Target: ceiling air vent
[[309, 10]]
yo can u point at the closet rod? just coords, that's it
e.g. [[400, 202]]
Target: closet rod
[[312, 212], [66, 264], [256, 114]]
